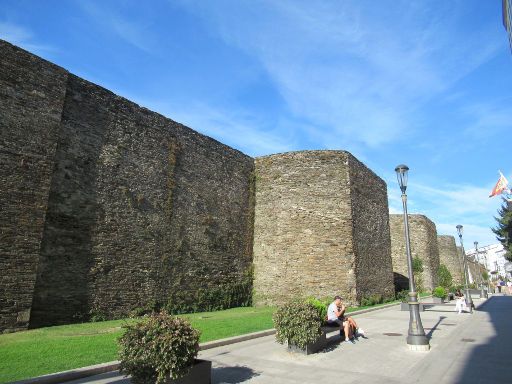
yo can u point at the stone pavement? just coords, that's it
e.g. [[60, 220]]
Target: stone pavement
[[464, 349]]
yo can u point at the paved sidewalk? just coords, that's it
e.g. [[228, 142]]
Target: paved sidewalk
[[464, 349]]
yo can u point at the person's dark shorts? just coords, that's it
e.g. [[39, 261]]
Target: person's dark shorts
[[337, 322]]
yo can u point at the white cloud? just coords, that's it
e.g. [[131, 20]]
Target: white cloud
[[22, 37], [488, 119], [14, 33], [471, 233], [349, 67], [237, 128], [135, 33], [448, 205]]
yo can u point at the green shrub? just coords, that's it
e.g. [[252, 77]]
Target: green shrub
[[372, 300], [158, 347], [417, 269], [403, 296], [485, 275], [214, 298], [417, 265], [454, 288], [444, 276], [320, 306], [439, 292], [297, 322]]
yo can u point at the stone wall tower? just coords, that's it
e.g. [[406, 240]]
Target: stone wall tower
[[423, 238], [321, 228], [450, 257]]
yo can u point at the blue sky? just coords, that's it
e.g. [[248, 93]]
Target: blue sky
[[425, 83]]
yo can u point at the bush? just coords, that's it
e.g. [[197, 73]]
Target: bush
[[454, 288], [297, 322], [159, 347], [320, 306], [403, 296], [417, 269], [372, 300], [444, 276], [439, 292]]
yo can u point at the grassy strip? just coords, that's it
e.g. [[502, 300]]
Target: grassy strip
[[53, 349]]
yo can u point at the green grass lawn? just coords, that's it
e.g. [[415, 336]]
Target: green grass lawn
[[53, 349]]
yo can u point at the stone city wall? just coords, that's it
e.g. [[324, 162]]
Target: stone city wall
[[109, 206], [32, 94], [450, 257], [312, 207], [475, 271], [423, 238]]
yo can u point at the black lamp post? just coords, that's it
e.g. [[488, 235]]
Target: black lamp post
[[466, 274], [416, 339], [480, 278]]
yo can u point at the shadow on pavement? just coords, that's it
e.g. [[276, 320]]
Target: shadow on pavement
[[431, 331], [232, 375], [489, 363]]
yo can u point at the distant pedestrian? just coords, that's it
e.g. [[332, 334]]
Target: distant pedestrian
[[509, 286], [499, 285]]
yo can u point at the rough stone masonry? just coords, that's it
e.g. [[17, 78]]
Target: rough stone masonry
[[107, 206], [449, 256], [423, 237], [321, 228]]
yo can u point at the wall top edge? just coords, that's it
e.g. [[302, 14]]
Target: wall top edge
[[7, 45], [333, 152]]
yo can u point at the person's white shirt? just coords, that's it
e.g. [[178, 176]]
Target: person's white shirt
[[331, 311]]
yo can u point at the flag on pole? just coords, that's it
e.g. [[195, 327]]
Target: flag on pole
[[500, 186]]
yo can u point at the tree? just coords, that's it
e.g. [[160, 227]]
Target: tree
[[444, 276], [503, 230]]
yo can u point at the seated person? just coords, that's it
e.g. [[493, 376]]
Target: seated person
[[356, 331], [335, 313], [460, 303]]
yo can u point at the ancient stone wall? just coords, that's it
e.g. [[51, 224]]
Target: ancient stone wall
[[423, 238], [372, 242], [139, 209], [311, 209], [475, 271], [450, 257], [31, 98]]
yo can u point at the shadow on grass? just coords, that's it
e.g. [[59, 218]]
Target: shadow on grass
[[232, 375]]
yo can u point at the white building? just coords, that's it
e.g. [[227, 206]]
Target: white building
[[492, 257]]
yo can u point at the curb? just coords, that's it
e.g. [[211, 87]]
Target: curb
[[72, 374], [79, 373]]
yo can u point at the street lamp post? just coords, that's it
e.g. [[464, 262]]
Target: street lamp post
[[480, 278], [488, 275], [416, 338], [466, 274]]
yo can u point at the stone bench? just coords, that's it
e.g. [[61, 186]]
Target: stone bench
[[319, 344]]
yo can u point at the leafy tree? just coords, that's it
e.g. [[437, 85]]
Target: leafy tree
[[485, 275], [503, 230], [444, 276]]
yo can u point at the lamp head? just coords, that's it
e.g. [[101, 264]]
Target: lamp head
[[401, 175], [459, 230], [476, 244]]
